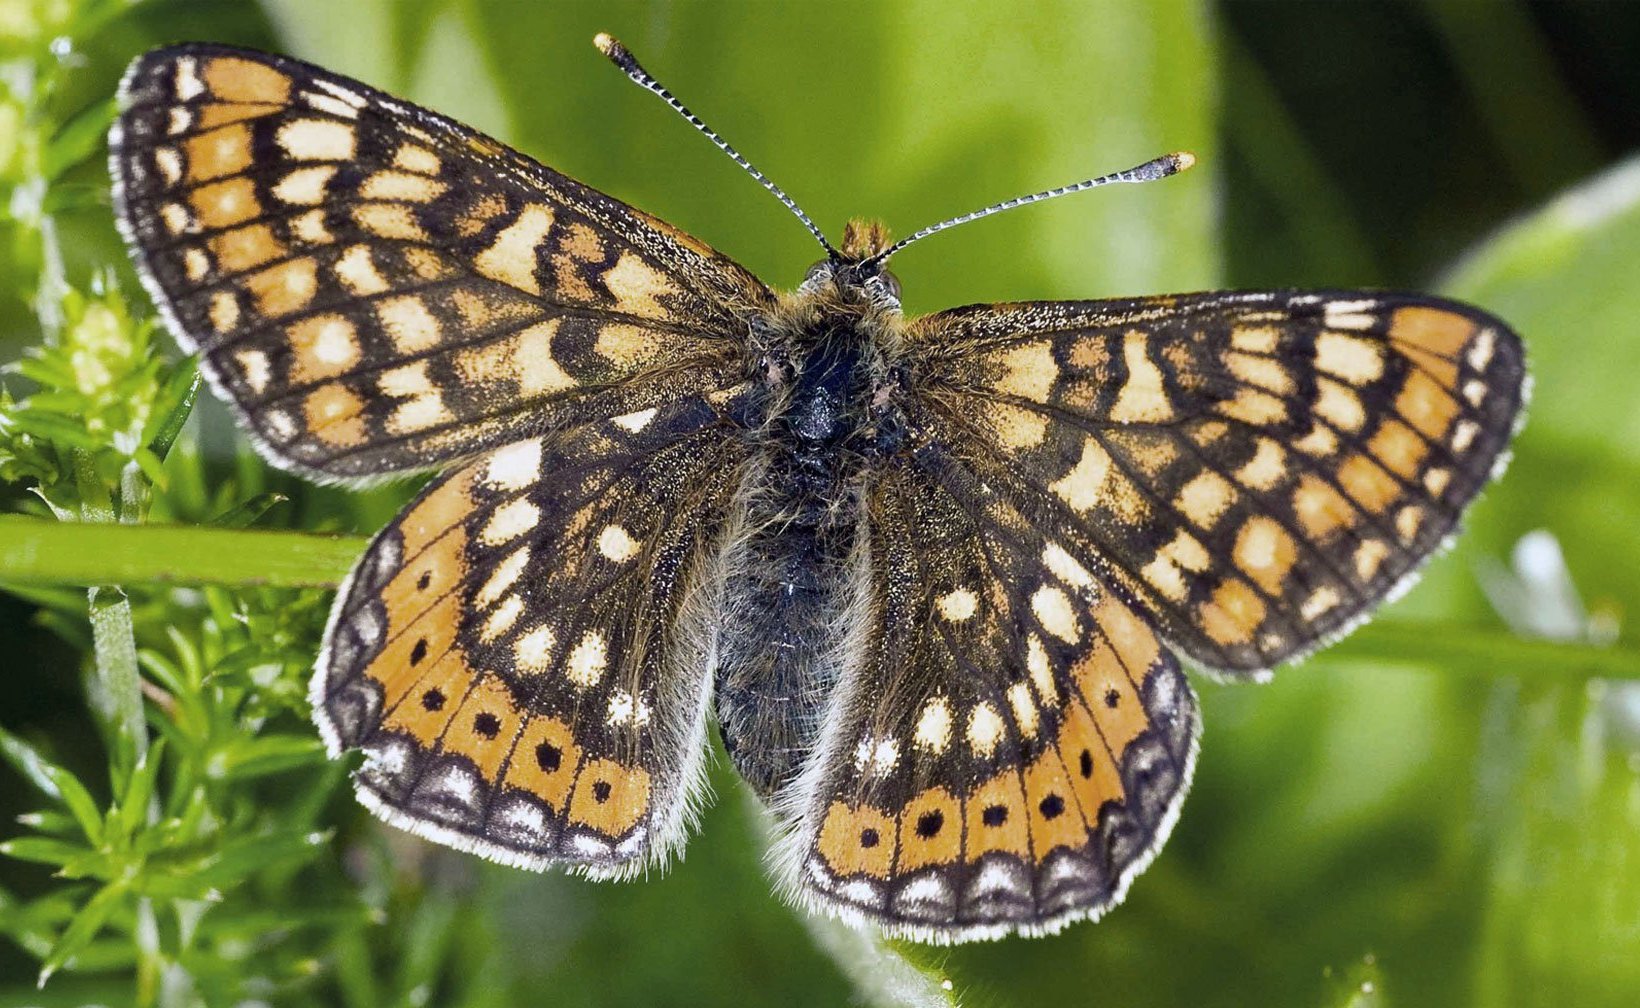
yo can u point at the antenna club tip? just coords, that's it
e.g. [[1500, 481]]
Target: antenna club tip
[[608, 44], [1182, 161]]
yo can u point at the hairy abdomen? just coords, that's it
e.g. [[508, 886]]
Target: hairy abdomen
[[788, 572]]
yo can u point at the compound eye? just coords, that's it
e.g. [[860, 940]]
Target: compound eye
[[819, 271], [890, 284]]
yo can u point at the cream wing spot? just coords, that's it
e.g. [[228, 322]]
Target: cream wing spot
[[1339, 406], [1463, 434], [304, 186], [1266, 468], [394, 185], [253, 368], [1480, 350], [186, 82], [1143, 397], [1065, 567], [1031, 372], [532, 652], [1083, 485], [634, 422], [224, 311], [1255, 339], [958, 605], [985, 728], [331, 105], [511, 258], [1024, 707], [196, 263], [514, 467], [1320, 602], [1053, 610], [316, 140], [414, 158], [358, 273], [1351, 358], [1355, 315], [1041, 671], [636, 286], [616, 544], [501, 619], [933, 731], [505, 575], [588, 660], [408, 323], [169, 163], [510, 521], [1368, 557], [1205, 498]]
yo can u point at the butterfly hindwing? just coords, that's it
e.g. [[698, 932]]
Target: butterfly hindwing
[[520, 653], [378, 289], [1011, 742], [1256, 470]]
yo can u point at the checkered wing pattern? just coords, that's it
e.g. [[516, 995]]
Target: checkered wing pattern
[[520, 653], [1014, 743], [376, 288], [1256, 471]]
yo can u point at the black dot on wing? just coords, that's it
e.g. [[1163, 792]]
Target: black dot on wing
[[419, 651], [1112, 698], [548, 756], [869, 838], [425, 580], [487, 724], [929, 823], [433, 699], [1052, 806], [994, 815], [600, 792], [1086, 764]]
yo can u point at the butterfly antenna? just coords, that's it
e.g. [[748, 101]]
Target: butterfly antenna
[[1150, 171], [623, 58]]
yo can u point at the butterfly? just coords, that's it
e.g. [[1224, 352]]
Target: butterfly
[[930, 578]]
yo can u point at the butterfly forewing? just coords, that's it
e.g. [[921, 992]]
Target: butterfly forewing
[[517, 654], [1012, 741], [1257, 470], [378, 289]]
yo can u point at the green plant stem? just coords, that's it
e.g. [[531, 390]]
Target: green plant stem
[[1481, 651], [36, 551], [33, 551]]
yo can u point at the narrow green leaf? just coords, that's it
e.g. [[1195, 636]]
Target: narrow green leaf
[[31, 763], [172, 407], [245, 513], [263, 755], [49, 821], [139, 791], [79, 140], [43, 850], [234, 861], [83, 928], [80, 804]]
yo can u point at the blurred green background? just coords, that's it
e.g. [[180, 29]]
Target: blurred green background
[[1403, 820]]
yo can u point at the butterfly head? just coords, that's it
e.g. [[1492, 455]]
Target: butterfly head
[[857, 273]]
